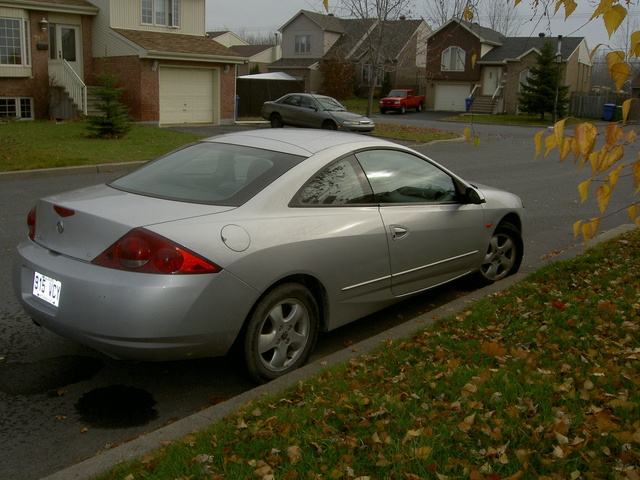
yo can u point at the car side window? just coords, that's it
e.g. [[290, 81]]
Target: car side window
[[293, 100], [341, 183], [400, 177], [305, 102]]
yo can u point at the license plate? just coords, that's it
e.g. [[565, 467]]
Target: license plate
[[47, 288]]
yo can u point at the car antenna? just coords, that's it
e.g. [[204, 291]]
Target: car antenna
[[338, 124]]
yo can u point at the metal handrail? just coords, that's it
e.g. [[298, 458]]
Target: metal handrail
[[475, 87], [61, 74], [493, 97]]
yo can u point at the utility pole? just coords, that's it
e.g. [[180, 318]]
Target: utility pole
[[558, 61]]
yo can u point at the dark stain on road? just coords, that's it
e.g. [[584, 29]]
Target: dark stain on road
[[116, 406]]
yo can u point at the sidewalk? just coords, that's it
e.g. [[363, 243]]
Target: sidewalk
[[150, 442]]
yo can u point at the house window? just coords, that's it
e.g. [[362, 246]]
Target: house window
[[161, 12], [453, 59], [524, 78], [303, 43], [14, 42], [16, 108], [368, 75]]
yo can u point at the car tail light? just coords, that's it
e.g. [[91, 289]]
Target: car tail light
[[63, 212], [31, 223], [143, 251]]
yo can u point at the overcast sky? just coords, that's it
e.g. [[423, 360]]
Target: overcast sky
[[264, 16]]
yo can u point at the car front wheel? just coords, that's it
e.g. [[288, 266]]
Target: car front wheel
[[276, 121], [329, 125], [504, 254], [281, 332]]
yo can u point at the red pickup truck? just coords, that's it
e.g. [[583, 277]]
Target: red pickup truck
[[400, 99]]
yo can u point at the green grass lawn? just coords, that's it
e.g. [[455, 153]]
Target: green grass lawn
[[537, 382], [45, 144]]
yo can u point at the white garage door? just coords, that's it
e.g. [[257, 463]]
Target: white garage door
[[450, 98], [187, 95]]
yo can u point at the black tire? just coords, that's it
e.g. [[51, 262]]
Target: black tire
[[504, 254], [383, 111], [403, 110], [276, 121], [281, 332], [419, 107], [329, 125]]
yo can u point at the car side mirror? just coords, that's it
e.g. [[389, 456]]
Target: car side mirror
[[474, 196]]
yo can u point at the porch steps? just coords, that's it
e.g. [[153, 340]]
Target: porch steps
[[92, 99], [483, 105]]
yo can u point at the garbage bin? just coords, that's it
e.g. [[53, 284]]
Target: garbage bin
[[608, 111], [468, 102], [617, 114]]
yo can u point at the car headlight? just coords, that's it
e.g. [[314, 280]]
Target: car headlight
[[396, 102], [351, 122]]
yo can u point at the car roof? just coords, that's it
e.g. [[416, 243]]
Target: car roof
[[298, 141]]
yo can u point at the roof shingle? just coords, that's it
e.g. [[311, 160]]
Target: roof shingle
[[176, 43]]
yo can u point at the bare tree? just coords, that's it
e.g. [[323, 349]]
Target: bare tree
[[257, 37], [377, 18], [439, 12], [500, 16]]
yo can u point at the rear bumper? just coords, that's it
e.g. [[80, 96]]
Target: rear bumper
[[132, 315]]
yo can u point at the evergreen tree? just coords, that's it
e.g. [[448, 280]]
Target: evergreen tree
[[115, 121], [539, 95]]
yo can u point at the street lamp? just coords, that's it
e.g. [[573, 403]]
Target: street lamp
[[558, 61]]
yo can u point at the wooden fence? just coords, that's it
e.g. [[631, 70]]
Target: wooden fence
[[591, 105]]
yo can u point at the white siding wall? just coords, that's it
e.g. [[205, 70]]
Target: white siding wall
[[421, 45], [127, 14], [302, 25], [329, 39], [105, 43]]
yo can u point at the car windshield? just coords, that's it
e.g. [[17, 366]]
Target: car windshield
[[208, 172], [397, 93], [328, 103]]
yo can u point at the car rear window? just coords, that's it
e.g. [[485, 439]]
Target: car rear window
[[208, 172]]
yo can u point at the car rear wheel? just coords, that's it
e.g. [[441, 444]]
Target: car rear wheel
[[504, 254], [276, 121], [419, 107], [329, 125], [281, 332]]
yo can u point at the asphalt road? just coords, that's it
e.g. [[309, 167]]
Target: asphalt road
[[50, 389]]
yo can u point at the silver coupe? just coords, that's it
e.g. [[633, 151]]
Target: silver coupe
[[254, 242]]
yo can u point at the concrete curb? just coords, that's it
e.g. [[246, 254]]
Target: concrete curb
[[150, 442]]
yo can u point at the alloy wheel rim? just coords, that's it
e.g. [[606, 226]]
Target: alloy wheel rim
[[500, 257], [284, 335]]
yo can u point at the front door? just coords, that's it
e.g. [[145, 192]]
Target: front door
[[65, 43], [432, 237], [490, 80]]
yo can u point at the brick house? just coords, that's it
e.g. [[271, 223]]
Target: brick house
[[309, 38], [51, 50], [467, 60]]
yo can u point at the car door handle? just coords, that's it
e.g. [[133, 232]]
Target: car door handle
[[398, 232]]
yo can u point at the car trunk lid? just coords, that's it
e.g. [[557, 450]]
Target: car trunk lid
[[83, 223]]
